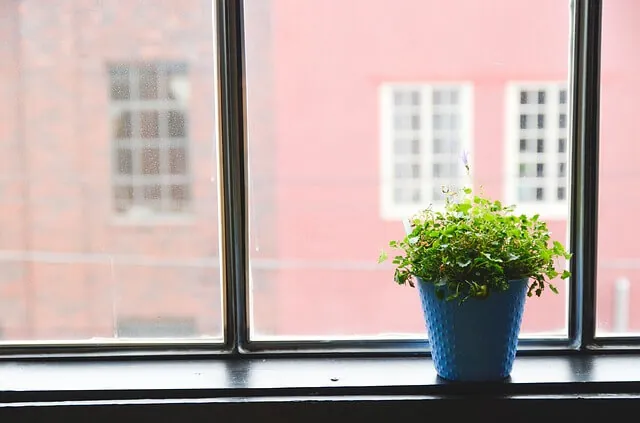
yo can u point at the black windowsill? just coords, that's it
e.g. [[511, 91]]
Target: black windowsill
[[299, 379]]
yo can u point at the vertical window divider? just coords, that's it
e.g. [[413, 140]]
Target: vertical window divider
[[585, 84], [233, 172]]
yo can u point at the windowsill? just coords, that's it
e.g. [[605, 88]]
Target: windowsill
[[294, 379]]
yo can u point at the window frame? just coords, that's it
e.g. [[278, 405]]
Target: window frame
[[233, 196], [593, 384], [584, 93]]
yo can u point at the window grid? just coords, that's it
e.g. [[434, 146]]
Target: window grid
[[425, 129], [538, 144], [151, 171]]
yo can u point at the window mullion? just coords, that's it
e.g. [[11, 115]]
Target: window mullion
[[585, 84], [233, 172]]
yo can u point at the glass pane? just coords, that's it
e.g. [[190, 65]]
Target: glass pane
[[125, 165], [176, 124], [123, 197], [105, 232], [122, 125], [330, 180], [120, 88], [177, 83], [179, 197], [149, 124], [148, 82], [151, 161], [618, 293], [177, 161]]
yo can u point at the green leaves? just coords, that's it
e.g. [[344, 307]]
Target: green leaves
[[382, 257], [464, 207], [475, 247]]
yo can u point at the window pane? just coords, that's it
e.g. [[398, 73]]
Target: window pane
[[175, 82], [122, 125], [125, 165], [149, 124], [618, 293], [153, 196], [179, 197], [148, 82], [176, 124], [120, 88], [102, 234], [151, 161], [123, 196], [328, 118], [177, 161]]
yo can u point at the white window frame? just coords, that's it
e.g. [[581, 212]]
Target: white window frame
[[389, 210], [548, 209]]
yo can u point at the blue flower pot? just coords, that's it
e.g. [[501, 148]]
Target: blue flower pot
[[476, 340]]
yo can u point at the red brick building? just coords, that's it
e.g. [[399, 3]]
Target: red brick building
[[108, 174]]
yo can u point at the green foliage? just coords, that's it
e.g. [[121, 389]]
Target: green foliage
[[474, 247]]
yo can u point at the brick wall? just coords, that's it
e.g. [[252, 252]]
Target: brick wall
[[87, 268]]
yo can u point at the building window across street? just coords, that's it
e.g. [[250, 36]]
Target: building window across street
[[537, 156], [150, 138], [425, 129]]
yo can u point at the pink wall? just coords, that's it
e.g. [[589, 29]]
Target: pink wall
[[330, 58], [328, 73], [619, 254]]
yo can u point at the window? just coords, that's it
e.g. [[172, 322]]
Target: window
[[425, 129], [150, 114], [349, 134], [618, 260], [326, 127], [109, 212], [299, 88], [537, 155]]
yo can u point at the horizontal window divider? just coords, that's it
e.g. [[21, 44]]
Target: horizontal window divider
[[333, 350], [169, 348], [115, 350], [376, 347], [613, 343]]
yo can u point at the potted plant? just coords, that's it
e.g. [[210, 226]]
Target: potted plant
[[474, 263]]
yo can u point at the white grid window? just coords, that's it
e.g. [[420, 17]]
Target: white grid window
[[425, 129], [150, 138], [537, 143]]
